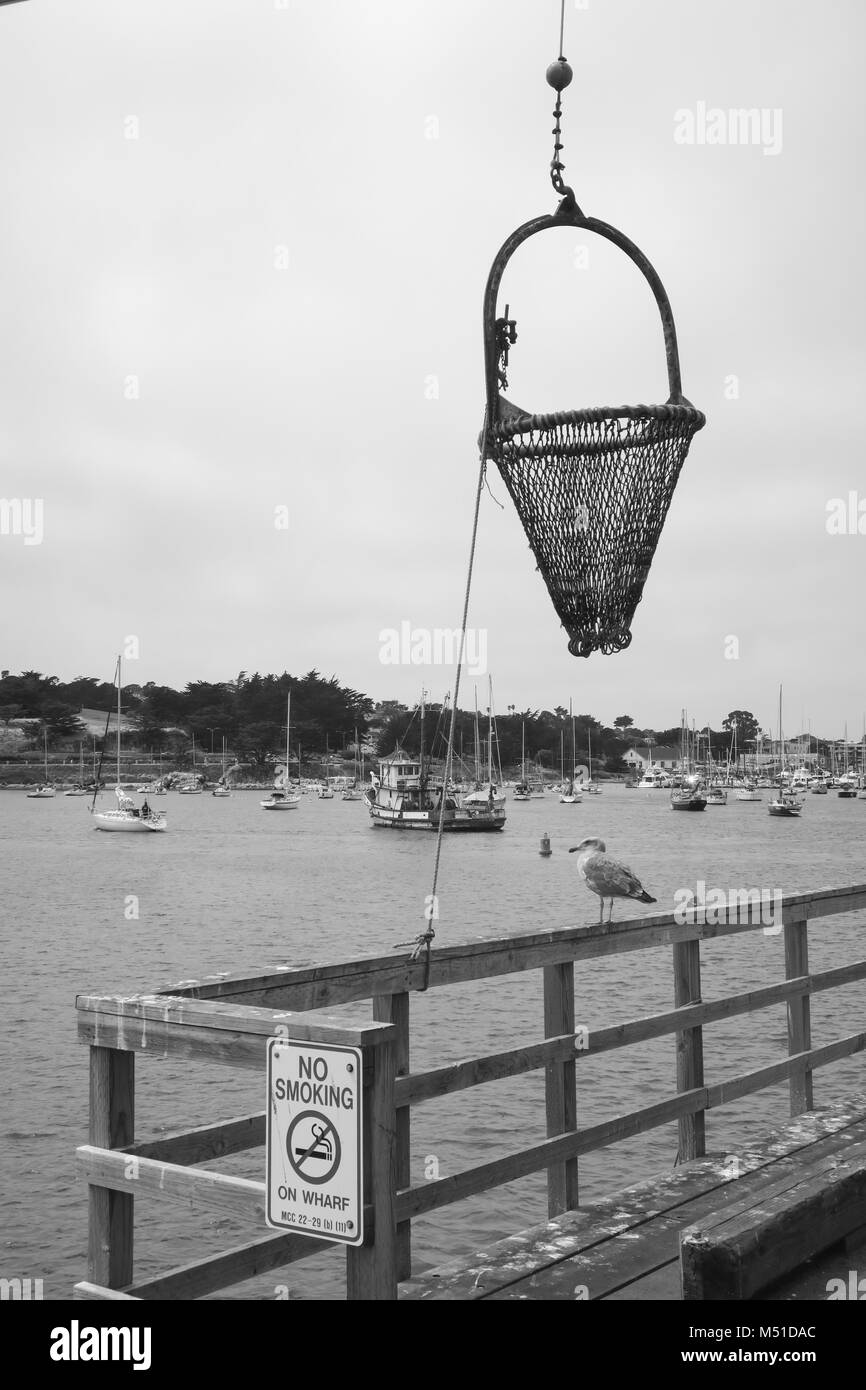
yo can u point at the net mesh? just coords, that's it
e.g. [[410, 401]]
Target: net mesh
[[592, 489]]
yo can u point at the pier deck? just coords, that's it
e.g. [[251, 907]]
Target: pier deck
[[798, 1192], [628, 1245]]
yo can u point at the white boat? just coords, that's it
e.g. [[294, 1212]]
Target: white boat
[[127, 818], [718, 796], [569, 796], [44, 791], [654, 779], [591, 787], [281, 799], [748, 792]]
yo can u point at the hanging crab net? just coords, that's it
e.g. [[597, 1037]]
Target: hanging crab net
[[592, 487]]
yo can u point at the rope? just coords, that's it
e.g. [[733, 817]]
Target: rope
[[422, 942]]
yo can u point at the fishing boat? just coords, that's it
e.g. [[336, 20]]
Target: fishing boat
[[406, 795], [654, 779], [785, 802], [127, 817], [281, 799], [718, 796], [44, 791]]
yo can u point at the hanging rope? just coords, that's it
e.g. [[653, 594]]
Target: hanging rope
[[423, 942], [559, 75]]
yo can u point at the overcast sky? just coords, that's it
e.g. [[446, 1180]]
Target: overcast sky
[[274, 221]]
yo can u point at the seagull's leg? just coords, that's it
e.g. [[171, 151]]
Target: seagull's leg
[[601, 911], [610, 913]]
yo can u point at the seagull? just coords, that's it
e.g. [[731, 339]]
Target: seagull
[[607, 877]]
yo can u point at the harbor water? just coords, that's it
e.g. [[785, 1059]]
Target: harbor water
[[230, 888]]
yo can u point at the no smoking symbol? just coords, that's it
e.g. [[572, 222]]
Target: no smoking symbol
[[313, 1147]]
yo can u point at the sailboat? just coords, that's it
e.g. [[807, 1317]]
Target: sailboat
[[485, 794], [44, 790], [127, 817], [570, 796], [785, 802], [352, 792], [222, 787], [326, 791], [191, 788], [688, 797], [280, 798], [521, 791], [591, 786], [79, 788]]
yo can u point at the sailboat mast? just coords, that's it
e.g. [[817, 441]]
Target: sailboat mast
[[118, 720], [490, 733], [288, 726]]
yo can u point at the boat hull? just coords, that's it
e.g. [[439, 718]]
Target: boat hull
[[124, 823]]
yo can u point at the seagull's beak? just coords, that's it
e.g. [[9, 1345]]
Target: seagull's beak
[[574, 849]]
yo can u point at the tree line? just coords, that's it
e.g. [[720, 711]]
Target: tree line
[[250, 713]]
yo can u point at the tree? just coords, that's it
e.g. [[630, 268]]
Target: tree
[[744, 723], [623, 722]]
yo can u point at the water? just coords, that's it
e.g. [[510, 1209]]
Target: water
[[231, 888]]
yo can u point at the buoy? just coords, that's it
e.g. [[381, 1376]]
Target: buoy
[[545, 850]]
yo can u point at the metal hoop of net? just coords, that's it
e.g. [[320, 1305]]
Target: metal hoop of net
[[592, 487]]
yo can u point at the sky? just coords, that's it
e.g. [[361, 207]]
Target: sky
[[242, 258]]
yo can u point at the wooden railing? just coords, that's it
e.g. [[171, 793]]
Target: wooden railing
[[230, 1021]]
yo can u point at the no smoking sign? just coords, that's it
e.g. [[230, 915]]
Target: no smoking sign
[[314, 1128]]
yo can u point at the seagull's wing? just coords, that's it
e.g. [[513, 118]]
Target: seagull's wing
[[613, 879]]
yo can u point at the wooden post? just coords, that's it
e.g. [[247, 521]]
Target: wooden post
[[371, 1269], [560, 1085], [112, 1125], [394, 1008], [799, 1014], [690, 1047]]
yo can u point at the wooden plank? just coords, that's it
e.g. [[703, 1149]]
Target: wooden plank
[[560, 1085], [318, 986], [735, 1087], [763, 1238], [495, 1066], [417, 1200], [112, 1122], [199, 1191], [201, 1277], [394, 1008], [799, 1015], [188, 1146], [371, 1269], [689, 1047], [255, 1023], [649, 1247], [513, 1260], [99, 1293]]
